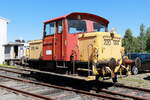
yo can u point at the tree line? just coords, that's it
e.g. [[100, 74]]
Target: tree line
[[139, 44]]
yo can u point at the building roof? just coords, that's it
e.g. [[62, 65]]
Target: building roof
[[13, 44], [5, 19]]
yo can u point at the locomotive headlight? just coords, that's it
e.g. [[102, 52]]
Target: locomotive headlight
[[113, 32]]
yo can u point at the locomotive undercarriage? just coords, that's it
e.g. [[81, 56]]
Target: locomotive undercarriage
[[76, 68], [64, 67]]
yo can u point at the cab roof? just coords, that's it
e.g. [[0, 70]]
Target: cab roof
[[79, 15]]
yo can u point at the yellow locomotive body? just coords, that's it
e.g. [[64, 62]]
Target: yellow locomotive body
[[108, 47], [102, 48]]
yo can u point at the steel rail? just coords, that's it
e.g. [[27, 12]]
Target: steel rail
[[130, 87], [125, 95], [13, 68], [26, 93], [1, 69], [63, 88], [125, 86]]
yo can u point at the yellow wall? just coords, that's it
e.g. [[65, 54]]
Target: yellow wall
[[35, 49]]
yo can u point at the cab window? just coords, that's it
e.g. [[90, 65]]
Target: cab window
[[50, 28], [76, 26], [98, 27], [60, 27]]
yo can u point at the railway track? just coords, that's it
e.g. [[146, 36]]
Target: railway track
[[40, 90], [114, 91]]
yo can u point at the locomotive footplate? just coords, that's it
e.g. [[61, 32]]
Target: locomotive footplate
[[89, 78]]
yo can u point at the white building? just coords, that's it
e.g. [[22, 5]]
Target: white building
[[3, 37]]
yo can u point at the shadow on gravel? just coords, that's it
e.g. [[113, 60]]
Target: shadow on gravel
[[147, 78], [73, 83]]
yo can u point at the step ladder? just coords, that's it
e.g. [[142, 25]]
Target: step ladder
[[63, 65]]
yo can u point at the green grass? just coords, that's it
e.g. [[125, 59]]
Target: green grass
[[4, 65]]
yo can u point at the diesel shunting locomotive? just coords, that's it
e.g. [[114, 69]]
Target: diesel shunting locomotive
[[78, 44]]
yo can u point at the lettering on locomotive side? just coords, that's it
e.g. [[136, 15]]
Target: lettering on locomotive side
[[107, 42], [116, 42]]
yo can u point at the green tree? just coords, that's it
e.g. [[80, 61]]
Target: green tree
[[128, 41], [142, 32], [136, 45], [148, 32], [148, 39], [142, 38]]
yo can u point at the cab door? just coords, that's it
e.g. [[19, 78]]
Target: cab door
[[48, 41], [58, 39], [52, 41]]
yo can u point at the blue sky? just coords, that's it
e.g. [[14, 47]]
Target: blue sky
[[27, 16]]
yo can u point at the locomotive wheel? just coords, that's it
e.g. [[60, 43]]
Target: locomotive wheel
[[97, 77], [112, 62], [135, 70], [11, 63], [22, 60], [138, 62]]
